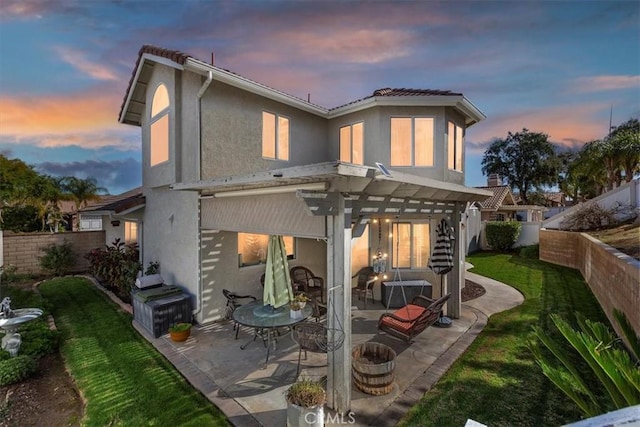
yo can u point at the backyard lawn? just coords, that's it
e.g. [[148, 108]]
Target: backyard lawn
[[497, 381], [122, 378]]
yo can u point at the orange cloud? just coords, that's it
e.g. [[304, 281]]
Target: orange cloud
[[46, 115], [78, 60], [604, 83], [567, 125]]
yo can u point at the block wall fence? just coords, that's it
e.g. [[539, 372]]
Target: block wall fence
[[614, 278], [23, 250]]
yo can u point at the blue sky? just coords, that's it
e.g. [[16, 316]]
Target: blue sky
[[554, 67]]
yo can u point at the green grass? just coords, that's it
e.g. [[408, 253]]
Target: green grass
[[122, 378], [497, 381]]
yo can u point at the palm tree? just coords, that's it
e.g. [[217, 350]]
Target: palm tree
[[82, 191]]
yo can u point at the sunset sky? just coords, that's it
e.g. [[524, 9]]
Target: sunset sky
[[553, 67]]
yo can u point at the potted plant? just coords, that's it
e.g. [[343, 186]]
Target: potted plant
[[305, 404], [297, 304], [180, 331]]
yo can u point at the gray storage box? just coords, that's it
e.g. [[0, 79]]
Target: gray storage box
[[156, 316]]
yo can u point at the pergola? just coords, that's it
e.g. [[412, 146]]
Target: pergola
[[349, 196]]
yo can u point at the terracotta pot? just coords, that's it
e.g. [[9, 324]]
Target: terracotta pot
[[180, 336]]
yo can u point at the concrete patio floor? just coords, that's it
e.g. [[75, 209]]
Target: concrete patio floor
[[252, 394]]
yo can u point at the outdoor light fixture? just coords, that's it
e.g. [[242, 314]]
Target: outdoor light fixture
[[380, 258]]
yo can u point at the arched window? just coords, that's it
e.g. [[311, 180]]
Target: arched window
[[159, 152]]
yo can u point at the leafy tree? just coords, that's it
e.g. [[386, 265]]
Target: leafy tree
[[525, 160], [81, 191], [625, 144]]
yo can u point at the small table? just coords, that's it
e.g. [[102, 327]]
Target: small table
[[402, 284], [265, 318]]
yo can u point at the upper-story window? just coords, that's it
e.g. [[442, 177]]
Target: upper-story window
[[351, 143], [455, 144], [412, 141], [275, 136], [159, 133]]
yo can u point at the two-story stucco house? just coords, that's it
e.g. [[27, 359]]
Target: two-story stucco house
[[228, 161]]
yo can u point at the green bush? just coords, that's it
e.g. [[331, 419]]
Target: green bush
[[16, 369], [531, 252], [117, 266], [38, 340], [58, 259], [502, 235]]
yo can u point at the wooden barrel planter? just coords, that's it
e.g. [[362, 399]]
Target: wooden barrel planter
[[372, 367]]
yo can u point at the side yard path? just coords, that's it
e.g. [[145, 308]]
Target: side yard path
[[497, 381], [123, 380]]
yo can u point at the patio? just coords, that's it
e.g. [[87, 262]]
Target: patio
[[237, 382]]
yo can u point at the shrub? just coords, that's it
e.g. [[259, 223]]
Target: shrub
[[502, 235], [594, 217], [58, 259], [16, 369], [531, 252], [38, 340], [117, 266], [306, 393]]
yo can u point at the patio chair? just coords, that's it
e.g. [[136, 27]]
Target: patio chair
[[309, 336], [366, 280], [319, 309], [233, 303], [305, 281], [410, 320]]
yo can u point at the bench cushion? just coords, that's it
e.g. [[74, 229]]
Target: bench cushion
[[408, 313]]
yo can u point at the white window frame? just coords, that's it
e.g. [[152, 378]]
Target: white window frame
[[350, 149], [90, 222], [156, 123], [278, 152], [291, 252], [127, 230], [412, 255], [412, 162], [455, 147]]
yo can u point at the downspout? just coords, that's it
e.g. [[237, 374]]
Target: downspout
[[200, 94]]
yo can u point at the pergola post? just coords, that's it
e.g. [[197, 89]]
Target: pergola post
[[339, 279], [456, 276]]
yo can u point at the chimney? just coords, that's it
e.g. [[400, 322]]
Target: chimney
[[494, 180]]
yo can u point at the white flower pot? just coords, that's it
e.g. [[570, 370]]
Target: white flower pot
[[297, 416], [296, 314]]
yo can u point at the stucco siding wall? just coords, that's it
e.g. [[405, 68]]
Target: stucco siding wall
[[614, 278], [188, 132], [24, 250], [170, 236], [112, 233], [232, 133]]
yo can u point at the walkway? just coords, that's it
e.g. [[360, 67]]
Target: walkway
[[234, 381]]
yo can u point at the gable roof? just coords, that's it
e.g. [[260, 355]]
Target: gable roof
[[135, 97], [117, 203], [501, 196]]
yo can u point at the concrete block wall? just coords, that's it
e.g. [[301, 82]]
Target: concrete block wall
[[23, 250], [614, 278]]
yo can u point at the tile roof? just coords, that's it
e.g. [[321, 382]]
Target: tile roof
[[402, 92], [181, 57], [117, 203], [500, 193]]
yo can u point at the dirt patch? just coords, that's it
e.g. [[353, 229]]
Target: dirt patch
[[625, 238], [471, 291], [50, 398]]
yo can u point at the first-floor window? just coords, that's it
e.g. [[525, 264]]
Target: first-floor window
[[410, 245], [252, 248], [360, 251], [130, 232], [90, 222]]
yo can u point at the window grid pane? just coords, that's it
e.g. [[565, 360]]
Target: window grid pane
[[360, 251], [252, 248], [345, 144], [268, 135], [283, 138], [459, 144], [423, 136], [420, 245], [451, 146], [159, 135], [357, 143], [160, 100], [401, 141], [401, 245]]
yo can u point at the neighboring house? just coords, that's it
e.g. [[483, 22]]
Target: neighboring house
[[227, 161], [504, 206], [120, 216]]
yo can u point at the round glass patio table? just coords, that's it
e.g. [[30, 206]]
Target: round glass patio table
[[266, 321]]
